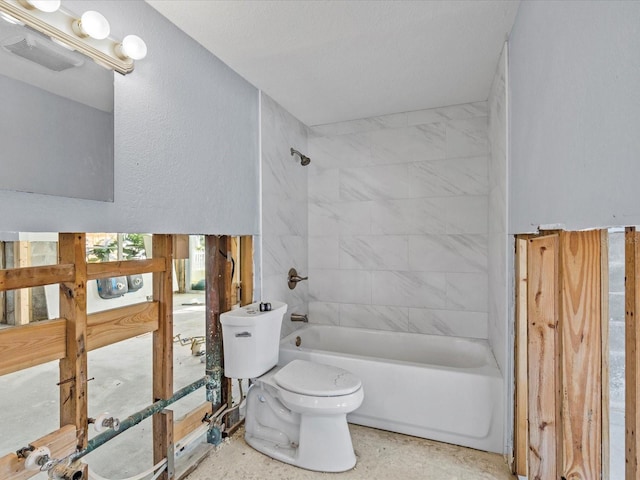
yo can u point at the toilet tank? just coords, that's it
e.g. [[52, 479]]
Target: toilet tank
[[251, 339]]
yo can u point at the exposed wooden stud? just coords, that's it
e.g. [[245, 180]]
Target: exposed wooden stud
[[214, 272], [61, 443], [112, 326], [3, 305], [234, 245], [581, 366], [225, 280], [73, 307], [163, 347], [521, 436], [542, 307], [18, 344], [126, 267], [246, 270], [192, 420], [27, 277], [22, 297], [163, 441], [604, 316], [227, 300], [632, 353]]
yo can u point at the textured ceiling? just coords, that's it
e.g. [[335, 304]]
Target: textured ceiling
[[329, 61]]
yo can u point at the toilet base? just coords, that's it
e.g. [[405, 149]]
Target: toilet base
[[332, 451], [314, 442]]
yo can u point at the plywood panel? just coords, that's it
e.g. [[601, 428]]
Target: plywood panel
[[632, 353], [580, 322], [111, 326], [542, 306], [62, 442], [29, 345], [521, 439]]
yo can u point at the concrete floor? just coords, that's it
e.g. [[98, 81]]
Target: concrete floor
[[380, 454]]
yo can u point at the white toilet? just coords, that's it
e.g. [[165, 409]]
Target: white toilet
[[297, 413]]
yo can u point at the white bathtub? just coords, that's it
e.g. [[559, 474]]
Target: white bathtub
[[442, 388]]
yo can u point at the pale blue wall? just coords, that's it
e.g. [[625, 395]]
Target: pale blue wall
[[186, 143], [575, 110]]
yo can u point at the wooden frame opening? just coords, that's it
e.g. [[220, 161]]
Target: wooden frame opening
[[70, 337]]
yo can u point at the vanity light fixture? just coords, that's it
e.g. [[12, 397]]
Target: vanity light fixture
[[92, 24], [88, 33], [133, 47], [48, 6]]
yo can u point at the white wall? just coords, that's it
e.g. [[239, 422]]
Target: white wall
[[575, 110], [398, 222], [500, 243], [498, 237], [186, 143], [284, 208]]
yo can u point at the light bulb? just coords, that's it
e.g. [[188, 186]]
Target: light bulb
[[92, 24], [132, 47], [48, 6]]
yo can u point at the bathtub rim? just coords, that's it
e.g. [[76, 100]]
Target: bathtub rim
[[490, 369]]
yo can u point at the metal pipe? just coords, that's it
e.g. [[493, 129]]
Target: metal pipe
[[137, 417]]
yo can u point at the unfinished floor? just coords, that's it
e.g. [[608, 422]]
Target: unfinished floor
[[381, 455]]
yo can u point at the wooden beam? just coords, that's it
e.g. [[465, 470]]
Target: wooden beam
[[73, 307], [125, 267], [604, 325], [3, 305], [580, 320], [163, 442], [246, 270], [542, 306], [163, 347], [22, 297], [190, 421], [234, 245], [632, 353], [112, 326], [521, 436], [226, 296], [227, 300], [214, 271], [62, 442], [29, 345], [26, 277]]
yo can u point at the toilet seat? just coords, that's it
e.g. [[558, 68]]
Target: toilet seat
[[316, 379]]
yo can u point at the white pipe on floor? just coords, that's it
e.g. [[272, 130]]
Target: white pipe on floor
[[162, 464]]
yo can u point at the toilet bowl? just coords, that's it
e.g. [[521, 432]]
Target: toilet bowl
[[296, 413]]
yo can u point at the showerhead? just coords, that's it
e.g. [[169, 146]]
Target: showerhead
[[304, 160]]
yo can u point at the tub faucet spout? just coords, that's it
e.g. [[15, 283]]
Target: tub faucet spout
[[300, 317]]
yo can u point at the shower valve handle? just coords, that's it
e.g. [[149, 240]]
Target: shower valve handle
[[294, 278]]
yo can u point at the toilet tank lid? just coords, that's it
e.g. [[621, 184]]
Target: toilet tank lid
[[316, 379], [251, 314]]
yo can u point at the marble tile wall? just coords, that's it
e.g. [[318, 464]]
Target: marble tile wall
[[283, 243], [499, 243], [398, 222]]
